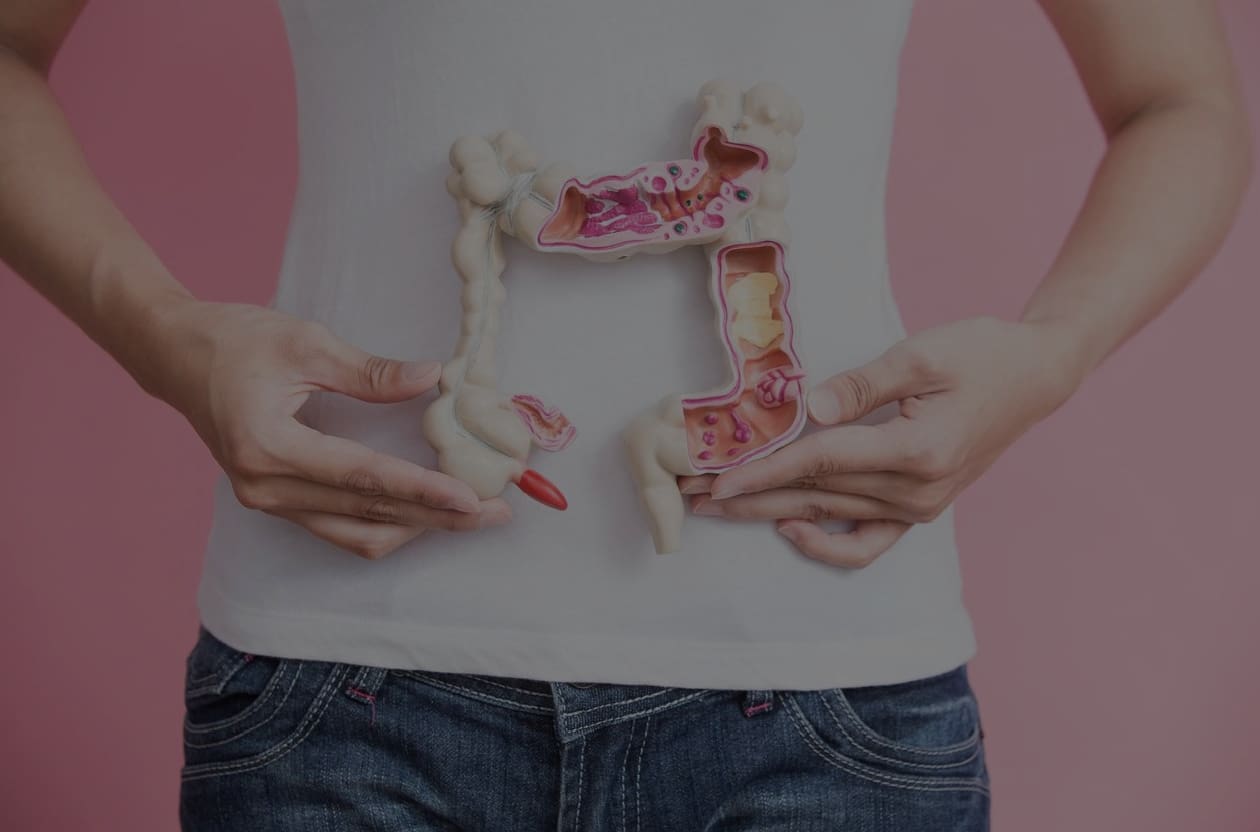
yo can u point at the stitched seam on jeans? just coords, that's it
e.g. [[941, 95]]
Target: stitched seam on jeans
[[299, 734], [225, 662], [474, 694], [198, 679], [279, 708], [661, 692], [368, 679], [267, 694], [218, 677], [638, 781], [913, 783], [841, 762], [581, 770], [971, 742], [623, 717], [625, 769], [525, 691], [483, 679], [190, 691], [202, 679], [839, 724], [828, 756]]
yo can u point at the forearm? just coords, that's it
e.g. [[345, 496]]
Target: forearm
[[61, 233], [1159, 205]]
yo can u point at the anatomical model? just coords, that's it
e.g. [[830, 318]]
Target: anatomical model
[[727, 197]]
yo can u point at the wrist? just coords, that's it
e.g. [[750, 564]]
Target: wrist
[[1075, 324], [172, 333], [137, 310], [1068, 356]]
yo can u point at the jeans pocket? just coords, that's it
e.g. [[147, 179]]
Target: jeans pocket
[[243, 710], [209, 663], [927, 729], [229, 693]]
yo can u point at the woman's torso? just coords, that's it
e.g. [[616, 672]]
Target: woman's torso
[[383, 89]]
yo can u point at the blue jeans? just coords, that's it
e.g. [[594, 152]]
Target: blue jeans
[[274, 744]]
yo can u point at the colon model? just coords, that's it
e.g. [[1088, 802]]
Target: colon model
[[728, 197], [761, 410]]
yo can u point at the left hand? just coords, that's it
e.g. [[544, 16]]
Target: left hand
[[967, 390]]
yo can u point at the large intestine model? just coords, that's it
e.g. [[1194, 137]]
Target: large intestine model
[[728, 197]]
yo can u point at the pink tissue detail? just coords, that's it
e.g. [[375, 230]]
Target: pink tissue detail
[[780, 385], [551, 430]]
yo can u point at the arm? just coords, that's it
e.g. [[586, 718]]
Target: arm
[[58, 230], [237, 372], [1160, 80]]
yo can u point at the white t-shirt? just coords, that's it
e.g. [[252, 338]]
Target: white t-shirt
[[581, 595]]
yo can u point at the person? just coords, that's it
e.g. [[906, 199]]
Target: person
[[381, 648]]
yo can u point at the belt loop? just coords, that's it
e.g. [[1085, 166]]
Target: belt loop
[[365, 684], [757, 701], [367, 679]]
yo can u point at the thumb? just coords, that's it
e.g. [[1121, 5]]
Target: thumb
[[374, 378], [856, 393]]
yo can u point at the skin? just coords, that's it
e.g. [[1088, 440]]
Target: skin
[[1159, 78], [237, 372]]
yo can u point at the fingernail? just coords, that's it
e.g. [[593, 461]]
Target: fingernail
[[724, 490], [693, 488], [417, 370], [824, 406], [471, 504], [707, 507], [790, 532]]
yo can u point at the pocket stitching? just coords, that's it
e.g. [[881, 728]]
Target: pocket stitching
[[471, 692], [971, 742], [221, 670], [975, 750], [204, 729], [303, 730], [202, 679], [212, 676], [272, 682], [490, 681], [831, 757]]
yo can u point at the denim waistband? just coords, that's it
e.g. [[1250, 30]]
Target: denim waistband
[[580, 707]]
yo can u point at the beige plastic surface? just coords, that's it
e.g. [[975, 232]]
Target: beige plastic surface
[[734, 189]]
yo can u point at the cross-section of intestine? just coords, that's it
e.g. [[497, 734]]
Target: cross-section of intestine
[[681, 199], [728, 198], [761, 410]]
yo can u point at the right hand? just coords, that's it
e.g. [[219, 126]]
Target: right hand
[[239, 373]]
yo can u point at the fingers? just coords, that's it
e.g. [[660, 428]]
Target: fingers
[[349, 466], [340, 366], [883, 447], [804, 504], [896, 374], [695, 485], [291, 493], [879, 523], [365, 538], [854, 549], [916, 499], [885, 485]]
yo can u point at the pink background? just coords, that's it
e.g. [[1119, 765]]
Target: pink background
[[1106, 561]]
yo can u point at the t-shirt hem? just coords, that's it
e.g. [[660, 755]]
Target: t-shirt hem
[[852, 661]]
